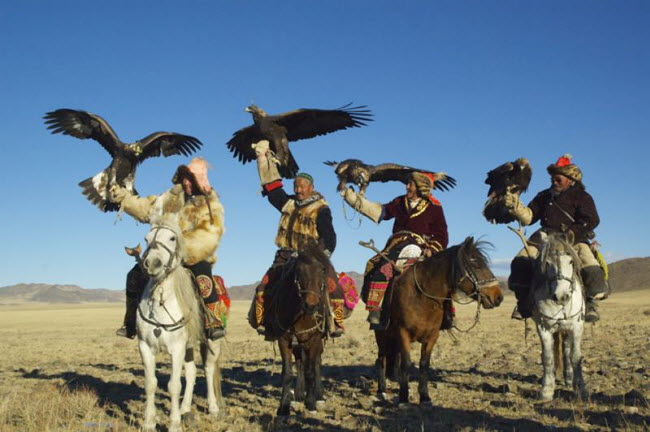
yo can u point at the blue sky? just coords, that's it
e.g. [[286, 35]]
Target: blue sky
[[459, 87]]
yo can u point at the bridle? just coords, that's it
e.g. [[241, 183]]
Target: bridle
[[168, 268], [560, 276], [467, 272]]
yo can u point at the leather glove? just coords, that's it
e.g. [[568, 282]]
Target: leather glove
[[517, 209], [371, 210], [117, 193], [266, 164]]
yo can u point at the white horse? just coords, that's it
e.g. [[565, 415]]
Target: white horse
[[170, 319], [558, 312]]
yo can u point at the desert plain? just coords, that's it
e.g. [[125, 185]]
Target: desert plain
[[63, 369]]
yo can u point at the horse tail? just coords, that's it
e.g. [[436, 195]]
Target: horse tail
[[216, 382], [558, 351]]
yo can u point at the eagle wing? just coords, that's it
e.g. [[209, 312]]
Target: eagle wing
[[240, 143], [307, 123], [515, 174], [395, 172], [83, 125], [167, 143]]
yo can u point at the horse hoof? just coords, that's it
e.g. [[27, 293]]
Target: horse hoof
[[175, 428], [149, 428], [214, 412], [546, 396]]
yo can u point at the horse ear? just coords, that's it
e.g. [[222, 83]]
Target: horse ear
[[469, 240]]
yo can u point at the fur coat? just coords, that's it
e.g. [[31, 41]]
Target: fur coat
[[201, 235]]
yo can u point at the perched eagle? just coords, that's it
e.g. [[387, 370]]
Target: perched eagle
[[361, 174], [126, 157], [296, 125], [513, 177]]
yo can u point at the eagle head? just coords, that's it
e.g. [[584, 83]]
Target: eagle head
[[256, 111]]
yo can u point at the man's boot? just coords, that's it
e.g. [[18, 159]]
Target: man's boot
[[374, 316], [591, 312], [259, 312], [128, 328], [519, 281], [595, 289]]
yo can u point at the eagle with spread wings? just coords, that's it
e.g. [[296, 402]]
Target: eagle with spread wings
[[510, 177], [361, 174], [126, 157], [295, 125]]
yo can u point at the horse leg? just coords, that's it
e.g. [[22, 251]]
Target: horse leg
[[380, 337], [190, 380], [567, 364], [404, 345], [575, 339], [174, 389], [313, 354], [299, 355], [320, 394], [150, 383], [548, 380], [285, 399], [425, 360], [211, 352]]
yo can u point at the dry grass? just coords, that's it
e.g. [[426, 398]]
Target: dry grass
[[63, 369]]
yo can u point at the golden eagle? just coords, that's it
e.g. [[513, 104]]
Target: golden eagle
[[513, 177], [361, 174], [296, 125], [126, 157]]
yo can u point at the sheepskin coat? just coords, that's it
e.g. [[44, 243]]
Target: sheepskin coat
[[201, 235]]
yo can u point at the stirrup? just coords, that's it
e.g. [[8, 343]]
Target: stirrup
[[337, 332], [591, 312]]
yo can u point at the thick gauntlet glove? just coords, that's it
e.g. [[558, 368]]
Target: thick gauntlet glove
[[517, 209], [370, 209], [266, 165]]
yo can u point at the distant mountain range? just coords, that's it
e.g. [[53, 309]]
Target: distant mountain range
[[624, 275]]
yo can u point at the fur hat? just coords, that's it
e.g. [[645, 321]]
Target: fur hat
[[564, 167], [197, 172]]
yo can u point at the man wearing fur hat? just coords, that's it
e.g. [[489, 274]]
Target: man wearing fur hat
[[201, 219], [564, 207], [306, 217], [419, 228]]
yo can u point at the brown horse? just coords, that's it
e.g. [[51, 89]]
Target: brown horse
[[297, 316], [415, 308]]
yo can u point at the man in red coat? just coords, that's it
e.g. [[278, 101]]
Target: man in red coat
[[419, 228]]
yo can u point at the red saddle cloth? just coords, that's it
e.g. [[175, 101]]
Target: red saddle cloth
[[223, 299], [350, 292]]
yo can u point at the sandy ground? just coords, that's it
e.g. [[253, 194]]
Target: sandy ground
[[62, 368]]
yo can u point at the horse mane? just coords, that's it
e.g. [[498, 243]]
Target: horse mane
[[314, 252], [557, 242]]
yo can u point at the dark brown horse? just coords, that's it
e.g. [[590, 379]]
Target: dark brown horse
[[415, 308], [298, 316]]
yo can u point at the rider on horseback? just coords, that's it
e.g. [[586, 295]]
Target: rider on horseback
[[419, 228], [306, 217], [201, 219], [563, 207]]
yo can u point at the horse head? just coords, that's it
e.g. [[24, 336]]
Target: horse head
[[311, 269], [165, 247], [473, 274], [558, 266]]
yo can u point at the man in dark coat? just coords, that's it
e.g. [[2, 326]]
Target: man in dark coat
[[564, 207], [419, 228], [306, 218]]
